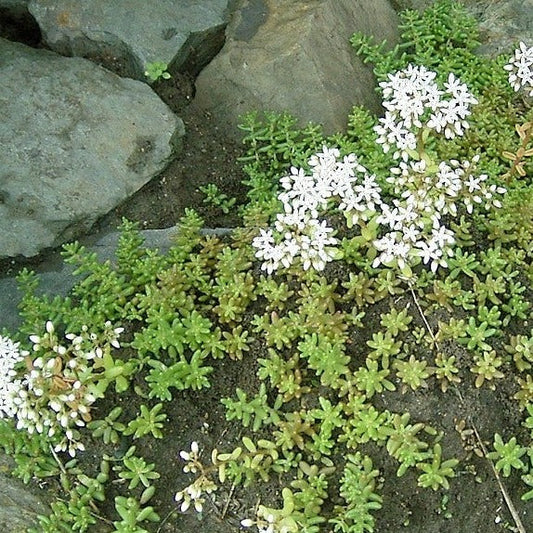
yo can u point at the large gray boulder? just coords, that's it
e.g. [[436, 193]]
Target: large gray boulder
[[76, 141], [136, 32], [295, 56]]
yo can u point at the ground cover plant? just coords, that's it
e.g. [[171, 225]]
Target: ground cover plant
[[280, 377]]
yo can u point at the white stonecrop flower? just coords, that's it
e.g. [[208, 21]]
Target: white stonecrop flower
[[413, 101], [409, 92], [437, 247], [10, 356], [450, 115], [520, 68], [315, 245], [423, 191], [202, 485], [51, 394], [300, 232]]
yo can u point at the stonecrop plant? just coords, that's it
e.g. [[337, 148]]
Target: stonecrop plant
[[424, 189], [51, 389], [363, 336]]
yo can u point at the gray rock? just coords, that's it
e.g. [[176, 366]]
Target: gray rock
[[19, 506], [295, 56], [76, 141], [136, 32]]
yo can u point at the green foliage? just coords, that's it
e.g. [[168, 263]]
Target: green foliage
[[403, 443], [364, 423], [137, 471], [244, 465], [486, 367], [31, 452], [327, 359], [64, 519], [157, 70], [283, 375], [525, 393], [328, 418], [370, 380], [358, 484], [216, 198], [476, 335], [274, 142], [396, 321], [435, 474], [102, 293], [277, 293], [108, 428], [236, 342], [149, 421], [507, 455], [412, 372], [383, 347], [76, 513], [257, 409], [446, 371], [278, 331], [132, 514], [521, 348]]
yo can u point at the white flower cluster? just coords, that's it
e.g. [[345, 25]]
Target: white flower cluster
[[412, 227], [300, 231], [413, 101], [520, 68], [10, 357], [269, 521], [194, 493], [413, 222], [52, 395], [265, 525]]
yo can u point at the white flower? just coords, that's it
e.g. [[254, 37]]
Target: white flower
[[368, 192], [450, 114], [410, 234], [300, 191], [388, 217], [409, 96], [429, 251], [268, 250], [193, 454], [520, 68], [10, 356], [263, 241], [385, 245], [315, 244], [442, 236], [394, 132], [194, 493], [408, 92], [325, 159]]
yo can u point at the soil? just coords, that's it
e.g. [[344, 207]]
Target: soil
[[475, 501]]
